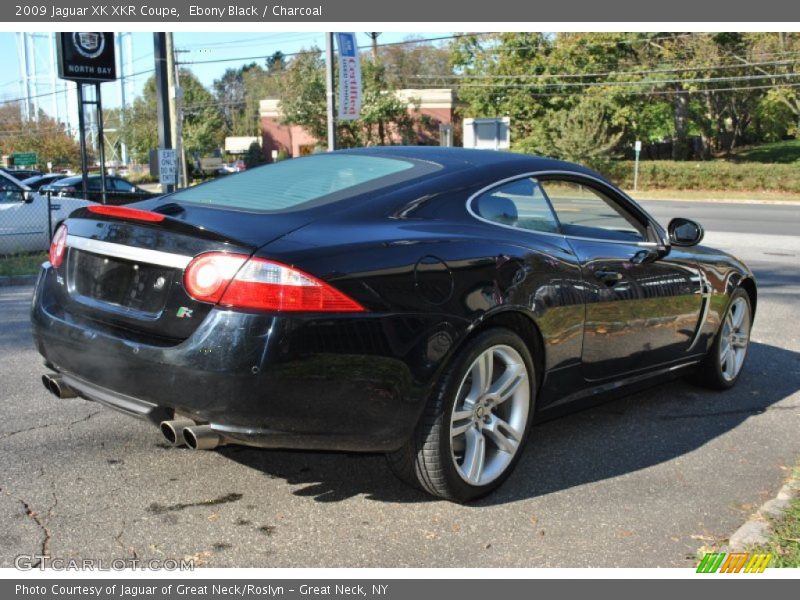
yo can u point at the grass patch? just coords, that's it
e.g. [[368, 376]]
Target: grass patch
[[714, 175], [784, 152], [21, 264], [784, 542]]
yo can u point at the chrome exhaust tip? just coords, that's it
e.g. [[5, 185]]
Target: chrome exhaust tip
[[201, 437], [54, 383], [173, 430]]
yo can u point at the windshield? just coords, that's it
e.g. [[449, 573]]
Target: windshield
[[302, 182]]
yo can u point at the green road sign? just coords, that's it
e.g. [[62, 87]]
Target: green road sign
[[24, 159]]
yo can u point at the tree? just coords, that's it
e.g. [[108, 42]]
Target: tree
[[45, 136], [254, 156], [303, 102], [203, 123], [583, 133]]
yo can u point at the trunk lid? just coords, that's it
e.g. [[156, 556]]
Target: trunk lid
[[126, 276]]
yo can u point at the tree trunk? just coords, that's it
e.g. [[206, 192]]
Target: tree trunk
[[680, 145]]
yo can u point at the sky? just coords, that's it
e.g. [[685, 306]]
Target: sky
[[234, 49]]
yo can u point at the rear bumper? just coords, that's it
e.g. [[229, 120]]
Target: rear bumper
[[312, 382]]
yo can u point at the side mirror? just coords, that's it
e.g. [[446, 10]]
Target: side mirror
[[685, 232], [27, 196]]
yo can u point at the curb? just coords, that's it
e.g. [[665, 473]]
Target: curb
[[756, 531], [15, 280]]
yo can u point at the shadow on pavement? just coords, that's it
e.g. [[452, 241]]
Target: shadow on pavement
[[621, 436]]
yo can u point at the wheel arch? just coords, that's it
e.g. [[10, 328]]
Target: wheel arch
[[749, 286], [520, 323]]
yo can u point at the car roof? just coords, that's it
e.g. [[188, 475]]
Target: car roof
[[77, 178], [468, 157]]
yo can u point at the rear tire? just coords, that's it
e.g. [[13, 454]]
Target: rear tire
[[476, 422], [722, 366]]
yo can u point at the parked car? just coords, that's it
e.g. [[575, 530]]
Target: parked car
[[118, 190], [20, 174], [23, 216], [38, 181], [428, 303]]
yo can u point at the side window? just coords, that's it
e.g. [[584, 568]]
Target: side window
[[9, 192], [585, 212], [519, 203]]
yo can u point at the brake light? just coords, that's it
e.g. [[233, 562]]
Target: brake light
[[231, 280], [58, 246], [123, 212]]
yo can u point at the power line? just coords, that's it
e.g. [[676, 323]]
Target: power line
[[365, 47], [609, 73]]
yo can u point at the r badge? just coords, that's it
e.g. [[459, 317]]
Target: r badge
[[184, 313]]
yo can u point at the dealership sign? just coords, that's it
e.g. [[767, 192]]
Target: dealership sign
[[349, 77], [86, 56]]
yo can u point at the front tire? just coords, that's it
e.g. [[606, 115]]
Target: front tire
[[722, 366], [477, 420]]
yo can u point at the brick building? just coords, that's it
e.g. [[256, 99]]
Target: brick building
[[429, 109]]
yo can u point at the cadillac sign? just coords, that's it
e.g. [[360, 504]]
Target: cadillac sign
[[86, 56]]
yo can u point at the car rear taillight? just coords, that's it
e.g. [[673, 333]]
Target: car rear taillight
[[122, 212], [58, 246], [233, 281]]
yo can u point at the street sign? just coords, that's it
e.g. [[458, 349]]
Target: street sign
[[167, 166], [24, 159], [637, 146], [86, 56]]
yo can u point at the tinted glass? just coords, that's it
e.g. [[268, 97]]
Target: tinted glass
[[585, 212], [519, 203], [301, 182]]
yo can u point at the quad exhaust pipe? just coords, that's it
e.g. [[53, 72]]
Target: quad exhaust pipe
[[55, 384], [183, 431], [173, 430]]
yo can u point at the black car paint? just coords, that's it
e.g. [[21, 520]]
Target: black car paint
[[430, 275]]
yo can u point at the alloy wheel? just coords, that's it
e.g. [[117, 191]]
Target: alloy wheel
[[489, 415], [735, 337]]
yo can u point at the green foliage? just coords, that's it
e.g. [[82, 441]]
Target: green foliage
[[705, 175], [303, 102], [15, 265], [254, 156], [583, 133], [302, 97], [654, 86], [786, 151], [203, 124]]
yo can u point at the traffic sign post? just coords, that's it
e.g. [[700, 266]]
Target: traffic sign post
[[637, 148], [167, 166]]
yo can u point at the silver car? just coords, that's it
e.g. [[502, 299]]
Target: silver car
[[23, 216]]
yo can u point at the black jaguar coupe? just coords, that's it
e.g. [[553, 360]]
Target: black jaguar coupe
[[429, 303]]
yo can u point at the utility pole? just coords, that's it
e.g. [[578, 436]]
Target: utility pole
[[374, 37], [175, 119], [378, 79], [330, 91], [162, 95]]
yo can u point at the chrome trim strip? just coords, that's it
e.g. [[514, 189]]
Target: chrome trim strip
[[132, 253], [559, 235]]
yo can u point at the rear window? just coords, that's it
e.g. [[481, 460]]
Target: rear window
[[302, 182]]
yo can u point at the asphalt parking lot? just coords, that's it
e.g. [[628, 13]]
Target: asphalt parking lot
[[642, 481]]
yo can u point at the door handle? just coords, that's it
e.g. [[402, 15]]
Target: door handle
[[608, 277]]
